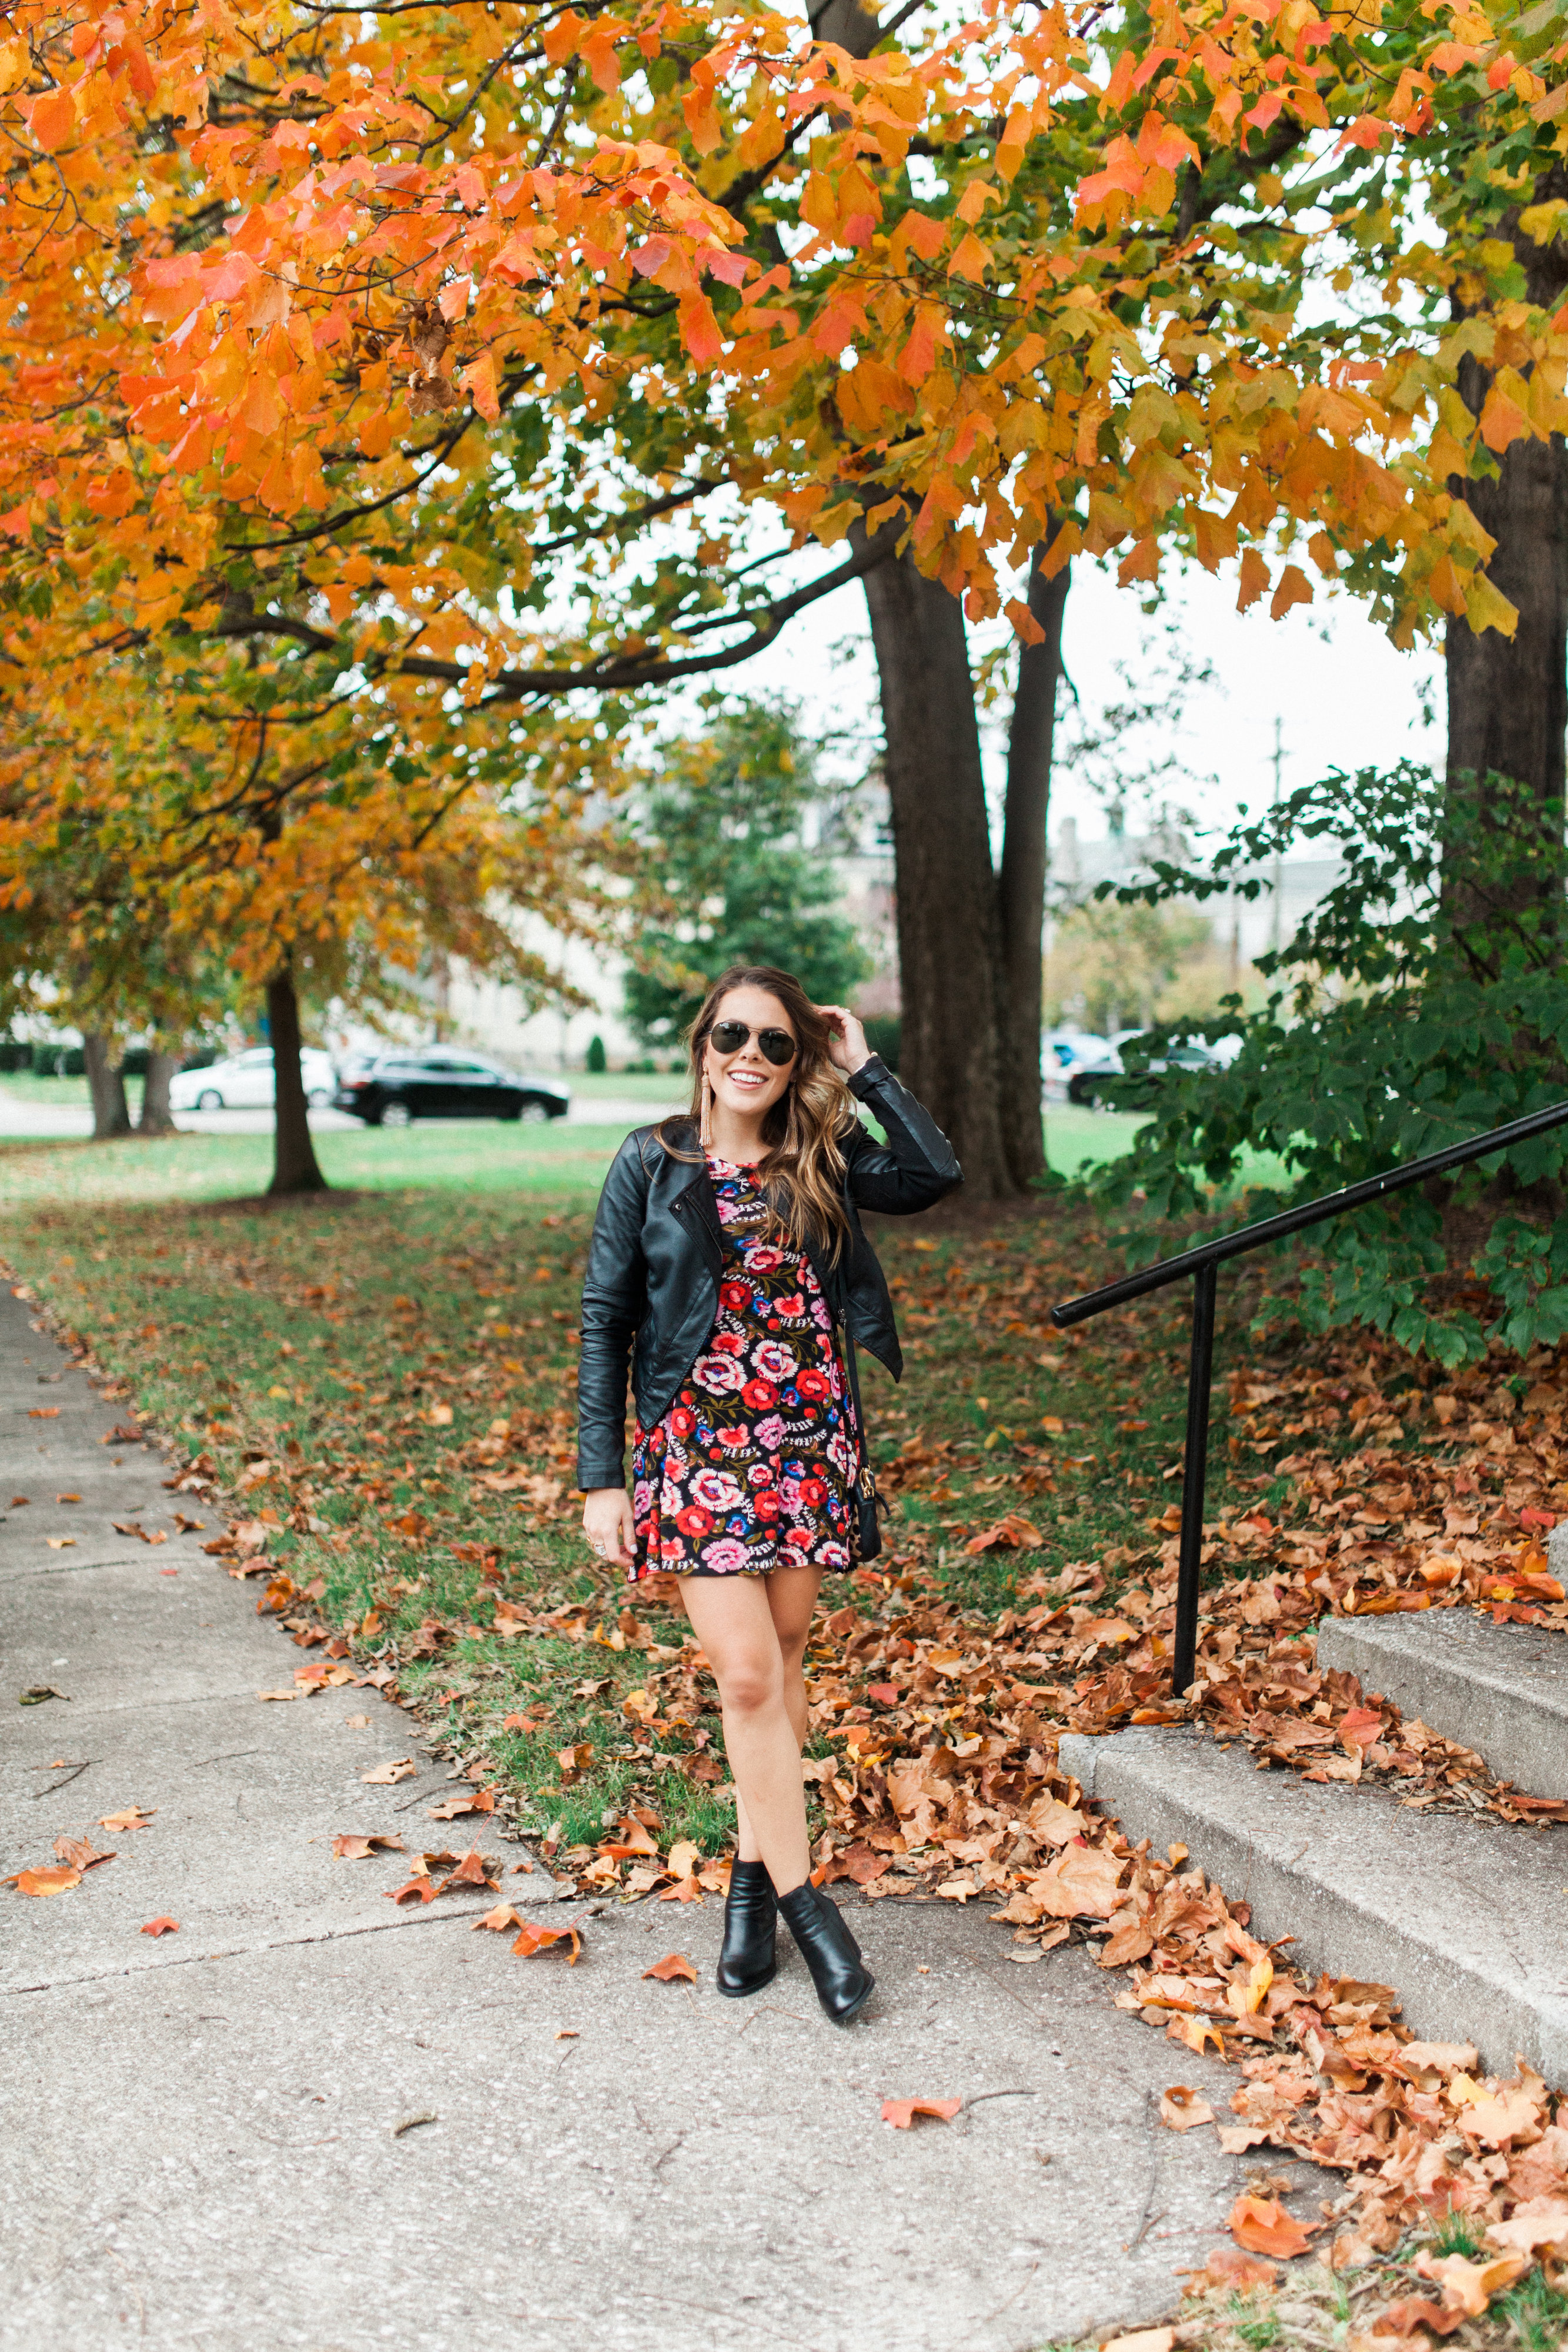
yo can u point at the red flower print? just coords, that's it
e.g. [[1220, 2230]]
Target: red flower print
[[811, 1383], [758, 1395], [734, 1294], [800, 1537], [682, 1421], [814, 1493], [694, 1520], [767, 1507], [728, 1343], [793, 1306]]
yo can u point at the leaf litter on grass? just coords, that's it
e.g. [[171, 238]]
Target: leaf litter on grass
[[941, 1684]]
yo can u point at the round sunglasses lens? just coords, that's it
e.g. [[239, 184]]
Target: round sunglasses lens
[[779, 1046], [729, 1036]]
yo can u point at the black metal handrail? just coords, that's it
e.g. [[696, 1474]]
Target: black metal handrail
[[1203, 1264]]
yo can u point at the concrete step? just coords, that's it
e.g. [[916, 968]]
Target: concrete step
[[1500, 1689], [1466, 1917]]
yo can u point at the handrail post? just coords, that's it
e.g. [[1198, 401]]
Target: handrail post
[[1194, 1468]]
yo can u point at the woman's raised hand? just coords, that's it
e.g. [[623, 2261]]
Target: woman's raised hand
[[847, 1048], [610, 1526]]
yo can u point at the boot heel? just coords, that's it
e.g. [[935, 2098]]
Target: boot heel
[[844, 1984]]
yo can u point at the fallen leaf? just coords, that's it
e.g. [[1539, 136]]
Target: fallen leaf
[[60, 1543], [134, 1817], [43, 1412], [161, 1927], [470, 1872], [1183, 2109], [1144, 2339], [1262, 2226], [279, 1695], [1471, 2286], [68, 1498], [1081, 1881], [44, 1882], [901, 2113], [1228, 2266], [502, 1916], [684, 1859], [383, 1775], [567, 2033], [356, 1723], [78, 1853], [1411, 2311], [38, 1692], [1539, 2221], [418, 1890], [1015, 1533], [412, 2123], [350, 1847], [472, 1800], [673, 1969], [534, 1940]]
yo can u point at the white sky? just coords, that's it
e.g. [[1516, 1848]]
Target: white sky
[[1346, 696]]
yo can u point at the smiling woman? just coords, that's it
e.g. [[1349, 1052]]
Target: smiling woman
[[729, 1269]]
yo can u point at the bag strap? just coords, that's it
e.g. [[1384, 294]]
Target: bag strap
[[866, 1477]]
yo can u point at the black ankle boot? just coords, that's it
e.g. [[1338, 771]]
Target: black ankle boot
[[748, 1961], [844, 1984]]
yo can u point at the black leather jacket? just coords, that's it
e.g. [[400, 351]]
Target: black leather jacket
[[651, 1293]]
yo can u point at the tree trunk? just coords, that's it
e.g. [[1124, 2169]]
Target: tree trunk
[[293, 1168], [106, 1084], [1508, 696], [155, 1117], [1021, 895], [948, 942]]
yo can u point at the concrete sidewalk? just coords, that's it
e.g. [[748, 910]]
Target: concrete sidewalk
[[198, 2141]]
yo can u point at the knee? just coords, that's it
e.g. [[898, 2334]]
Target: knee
[[751, 1685]]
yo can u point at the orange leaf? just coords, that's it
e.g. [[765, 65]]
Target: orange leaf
[[52, 121], [672, 1966], [353, 1848], [1183, 2109], [1262, 2225], [1015, 1533], [503, 1916], [901, 2113], [161, 1927], [133, 1818], [470, 1870], [44, 1882], [418, 1890], [534, 1940]]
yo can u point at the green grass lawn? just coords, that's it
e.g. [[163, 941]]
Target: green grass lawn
[[396, 1364]]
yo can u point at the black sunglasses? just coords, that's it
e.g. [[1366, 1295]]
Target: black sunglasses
[[729, 1036]]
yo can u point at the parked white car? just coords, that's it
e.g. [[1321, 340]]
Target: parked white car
[[244, 1082]]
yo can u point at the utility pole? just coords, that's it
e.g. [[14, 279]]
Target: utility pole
[[1278, 875]]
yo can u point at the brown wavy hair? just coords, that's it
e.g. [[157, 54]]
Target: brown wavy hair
[[803, 1171]]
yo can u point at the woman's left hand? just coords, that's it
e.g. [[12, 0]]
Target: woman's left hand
[[847, 1048]]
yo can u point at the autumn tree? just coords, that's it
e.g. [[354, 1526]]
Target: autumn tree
[[396, 324]]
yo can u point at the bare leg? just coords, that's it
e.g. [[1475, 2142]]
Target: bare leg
[[791, 1597], [733, 1620]]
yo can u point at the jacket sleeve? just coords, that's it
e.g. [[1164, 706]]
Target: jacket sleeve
[[614, 1299], [915, 1166]]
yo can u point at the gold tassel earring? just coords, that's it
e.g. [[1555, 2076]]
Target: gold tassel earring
[[705, 1135]]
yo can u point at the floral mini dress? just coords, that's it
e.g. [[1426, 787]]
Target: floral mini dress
[[753, 1468]]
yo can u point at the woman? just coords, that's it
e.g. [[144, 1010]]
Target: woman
[[728, 1257]]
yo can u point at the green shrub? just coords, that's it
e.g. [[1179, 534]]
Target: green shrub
[[1422, 1001]]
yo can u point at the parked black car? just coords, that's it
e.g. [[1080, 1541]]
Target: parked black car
[[445, 1082]]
